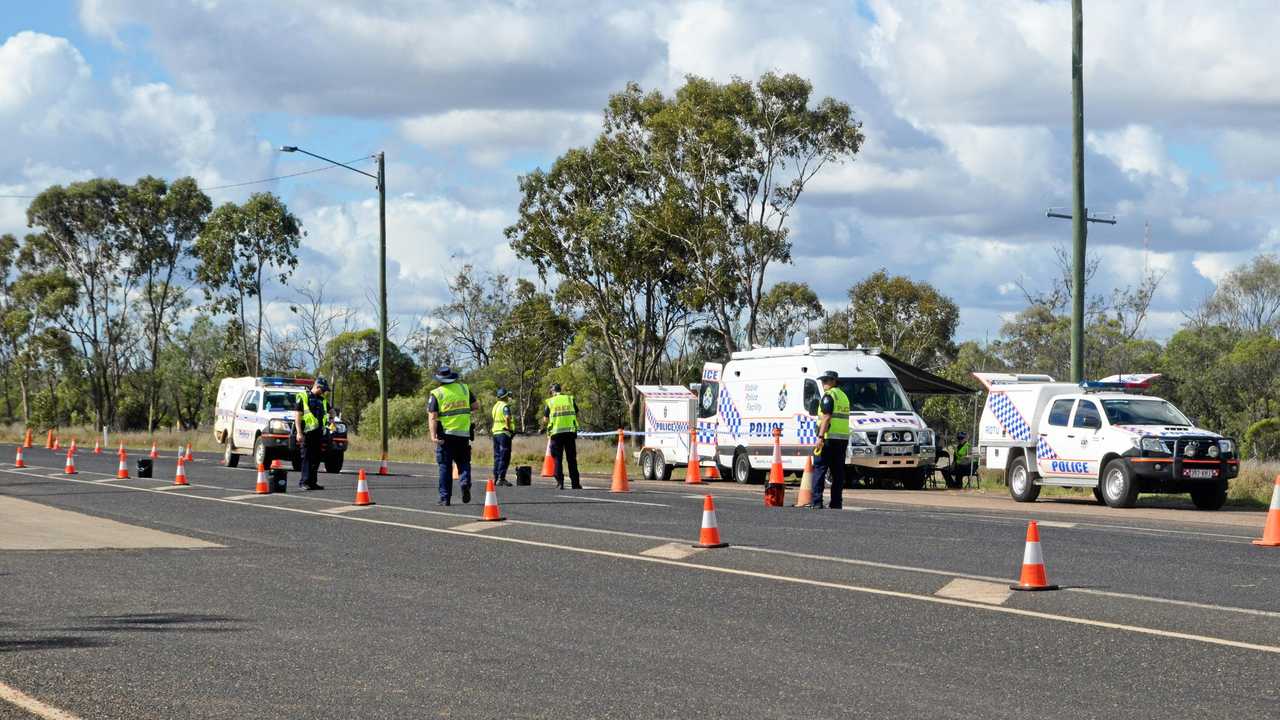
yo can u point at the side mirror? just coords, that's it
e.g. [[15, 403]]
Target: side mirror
[[1092, 423]]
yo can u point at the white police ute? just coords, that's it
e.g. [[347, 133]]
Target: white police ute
[[254, 415], [1099, 435]]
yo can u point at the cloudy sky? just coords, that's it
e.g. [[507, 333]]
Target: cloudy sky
[[965, 104]]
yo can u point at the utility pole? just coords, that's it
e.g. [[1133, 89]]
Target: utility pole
[[1079, 229], [382, 296]]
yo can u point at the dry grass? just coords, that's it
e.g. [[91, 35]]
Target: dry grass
[[594, 455]]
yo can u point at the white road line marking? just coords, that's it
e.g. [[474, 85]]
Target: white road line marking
[[743, 548], [1055, 524], [672, 551], [170, 487], [620, 502], [975, 591], [21, 700], [345, 509], [477, 526], [248, 496]]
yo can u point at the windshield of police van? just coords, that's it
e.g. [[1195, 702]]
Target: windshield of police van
[[275, 401], [875, 395], [1143, 412]]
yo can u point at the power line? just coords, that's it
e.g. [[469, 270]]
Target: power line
[[239, 184]]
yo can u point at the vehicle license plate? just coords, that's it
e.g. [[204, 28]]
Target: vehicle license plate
[[1200, 474], [897, 449]]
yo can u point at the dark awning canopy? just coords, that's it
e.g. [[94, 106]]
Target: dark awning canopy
[[922, 382]]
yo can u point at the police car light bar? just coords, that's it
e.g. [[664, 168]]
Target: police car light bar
[[1139, 381]]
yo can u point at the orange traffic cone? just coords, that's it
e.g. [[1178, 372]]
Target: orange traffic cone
[[710, 535], [70, 467], [804, 497], [97, 448], [48, 443], [155, 453], [491, 511], [57, 443], [382, 467], [26, 440], [1271, 534], [72, 449], [189, 457], [693, 476], [180, 477], [713, 471], [17, 461], [775, 492], [122, 473], [1033, 574], [620, 484], [262, 488], [362, 489], [548, 462]]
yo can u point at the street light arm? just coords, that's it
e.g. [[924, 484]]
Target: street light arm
[[294, 148]]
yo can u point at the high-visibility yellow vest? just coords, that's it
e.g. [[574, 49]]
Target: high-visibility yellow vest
[[563, 416], [501, 423], [962, 452], [309, 420], [454, 408], [838, 428]]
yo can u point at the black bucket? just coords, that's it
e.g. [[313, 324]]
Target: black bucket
[[144, 467], [524, 475], [279, 480]]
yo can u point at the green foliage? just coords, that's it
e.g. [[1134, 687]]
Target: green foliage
[[910, 320], [353, 374], [406, 417], [788, 309], [1262, 440]]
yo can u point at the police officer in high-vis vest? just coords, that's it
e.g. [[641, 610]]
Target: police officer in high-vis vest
[[311, 417], [449, 409], [560, 417], [502, 432], [833, 441]]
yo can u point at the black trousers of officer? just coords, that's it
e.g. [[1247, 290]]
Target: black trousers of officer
[[829, 464], [564, 447], [310, 452]]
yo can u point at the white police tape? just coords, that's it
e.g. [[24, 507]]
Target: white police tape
[[612, 433]]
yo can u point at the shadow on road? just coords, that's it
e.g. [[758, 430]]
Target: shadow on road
[[159, 622], [51, 643]]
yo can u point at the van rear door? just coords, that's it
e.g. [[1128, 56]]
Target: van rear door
[[709, 410]]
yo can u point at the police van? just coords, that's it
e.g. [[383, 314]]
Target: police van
[[254, 415], [741, 402], [1099, 435]]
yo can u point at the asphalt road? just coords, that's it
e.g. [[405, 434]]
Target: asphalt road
[[586, 604]]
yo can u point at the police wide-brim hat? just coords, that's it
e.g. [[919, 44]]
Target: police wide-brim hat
[[322, 384], [502, 392], [829, 375], [962, 435], [446, 374]]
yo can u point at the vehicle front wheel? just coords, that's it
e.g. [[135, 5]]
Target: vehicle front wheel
[[1211, 496], [1119, 488], [1021, 487], [259, 452], [333, 463], [229, 456], [915, 482]]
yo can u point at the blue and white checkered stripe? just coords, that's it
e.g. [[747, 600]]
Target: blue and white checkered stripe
[[1044, 452], [1009, 417], [808, 430], [706, 432], [729, 414]]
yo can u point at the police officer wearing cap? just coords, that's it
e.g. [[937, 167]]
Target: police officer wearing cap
[[502, 433], [560, 418], [311, 417], [833, 441], [962, 464], [450, 408]]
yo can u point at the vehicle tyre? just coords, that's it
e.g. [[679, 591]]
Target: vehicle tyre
[[648, 469], [1097, 494], [914, 482], [667, 469], [1021, 487], [742, 472], [229, 456], [1119, 487], [333, 463], [260, 452], [1210, 496]]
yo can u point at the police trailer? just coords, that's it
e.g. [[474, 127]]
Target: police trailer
[[1099, 435], [668, 410], [740, 403]]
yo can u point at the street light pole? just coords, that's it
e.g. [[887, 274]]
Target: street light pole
[[381, 179]]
